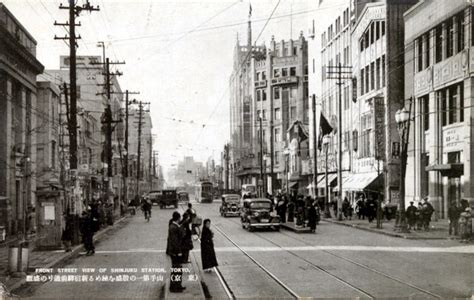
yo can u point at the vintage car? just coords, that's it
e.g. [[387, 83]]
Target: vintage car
[[258, 213], [230, 205], [168, 198]]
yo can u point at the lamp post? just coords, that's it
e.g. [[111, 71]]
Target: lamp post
[[402, 117], [265, 180], [326, 141], [287, 163]]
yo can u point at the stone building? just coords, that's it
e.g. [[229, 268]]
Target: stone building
[[270, 83], [18, 70], [439, 79]]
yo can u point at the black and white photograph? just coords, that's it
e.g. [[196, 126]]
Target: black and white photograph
[[236, 149]]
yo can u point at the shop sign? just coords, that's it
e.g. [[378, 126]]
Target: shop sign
[[379, 117], [423, 81], [450, 69], [452, 138]]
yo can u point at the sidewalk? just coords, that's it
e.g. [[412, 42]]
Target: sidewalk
[[438, 230], [42, 259]]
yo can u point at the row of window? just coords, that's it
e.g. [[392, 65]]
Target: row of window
[[373, 33], [261, 94], [330, 33], [277, 72], [277, 114], [449, 39], [372, 77]]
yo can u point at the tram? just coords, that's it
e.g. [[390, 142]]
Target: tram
[[204, 192]]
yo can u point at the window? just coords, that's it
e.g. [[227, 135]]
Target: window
[[258, 113], [293, 92], [338, 25], [277, 114], [362, 43], [362, 91], [277, 157], [419, 54], [382, 24], [293, 70], [428, 49], [377, 31], [258, 95], [284, 72], [276, 73], [372, 76], [276, 93], [346, 98], [372, 33], [438, 44], [293, 113], [383, 71], [53, 154], [450, 38], [277, 135], [452, 102], [454, 157], [355, 140], [426, 112], [264, 95], [264, 115], [367, 79], [264, 77], [285, 50], [377, 74], [460, 33], [257, 76]]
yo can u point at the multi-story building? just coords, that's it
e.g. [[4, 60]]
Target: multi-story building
[[439, 41], [377, 65], [271, 84], [366, 40], [18, 70]]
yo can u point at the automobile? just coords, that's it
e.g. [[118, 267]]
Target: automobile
[[168, 198], [154, 196], [230, 205], [258, 213], [183, 196]]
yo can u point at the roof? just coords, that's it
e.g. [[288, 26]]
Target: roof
[[257, 200]]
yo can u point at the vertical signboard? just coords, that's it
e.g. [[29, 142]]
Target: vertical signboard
[[379, 129]]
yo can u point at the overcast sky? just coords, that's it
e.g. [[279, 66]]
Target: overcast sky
[[178, 55]]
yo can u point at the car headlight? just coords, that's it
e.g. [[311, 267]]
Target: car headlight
[[256, 214]]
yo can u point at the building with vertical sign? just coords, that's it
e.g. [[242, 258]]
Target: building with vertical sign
[[18, 70], [439, 70], [377, 56]]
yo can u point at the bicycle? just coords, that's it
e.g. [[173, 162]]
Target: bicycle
[[147, 215]]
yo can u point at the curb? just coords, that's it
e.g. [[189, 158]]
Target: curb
[[392, 234], [287, 227], [74, 252]]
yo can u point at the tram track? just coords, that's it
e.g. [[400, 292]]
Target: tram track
[[366, 267]]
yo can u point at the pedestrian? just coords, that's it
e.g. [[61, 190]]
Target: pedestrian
[[281, 209], [419, 217], [291, 211], [208, 255], [411, 215], [465, 225], [67, 234], [187, 242], [312, 217], [427, 212], [371, 209], [454, 212], [284, 209], [88, 226], [345, 208], [360, 207], [174, 250]]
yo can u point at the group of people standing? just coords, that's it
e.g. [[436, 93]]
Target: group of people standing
[[460, 220], [419, 218], [306, 211], [180, 242]]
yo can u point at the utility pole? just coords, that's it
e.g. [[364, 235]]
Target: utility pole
[[261, 157], [315, 150], [74, 10], [140, 124], [340, 74]]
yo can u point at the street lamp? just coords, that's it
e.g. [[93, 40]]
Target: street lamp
[[286, 152], [402, 117], [265, 181]]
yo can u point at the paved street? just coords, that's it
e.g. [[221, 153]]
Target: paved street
[[336, 262]]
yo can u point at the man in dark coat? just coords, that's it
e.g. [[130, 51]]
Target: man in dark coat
[[174, 250], [427, 212], [411, 216], [88, 225], [454, 212], [312, 217]]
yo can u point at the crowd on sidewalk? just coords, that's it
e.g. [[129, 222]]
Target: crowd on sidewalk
[[305, 211]]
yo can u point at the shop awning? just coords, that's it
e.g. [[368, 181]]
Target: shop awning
[[362, 181], [322, 182], [292, 184], [448, 170]]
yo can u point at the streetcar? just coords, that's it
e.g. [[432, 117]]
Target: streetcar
[[204, 192]]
